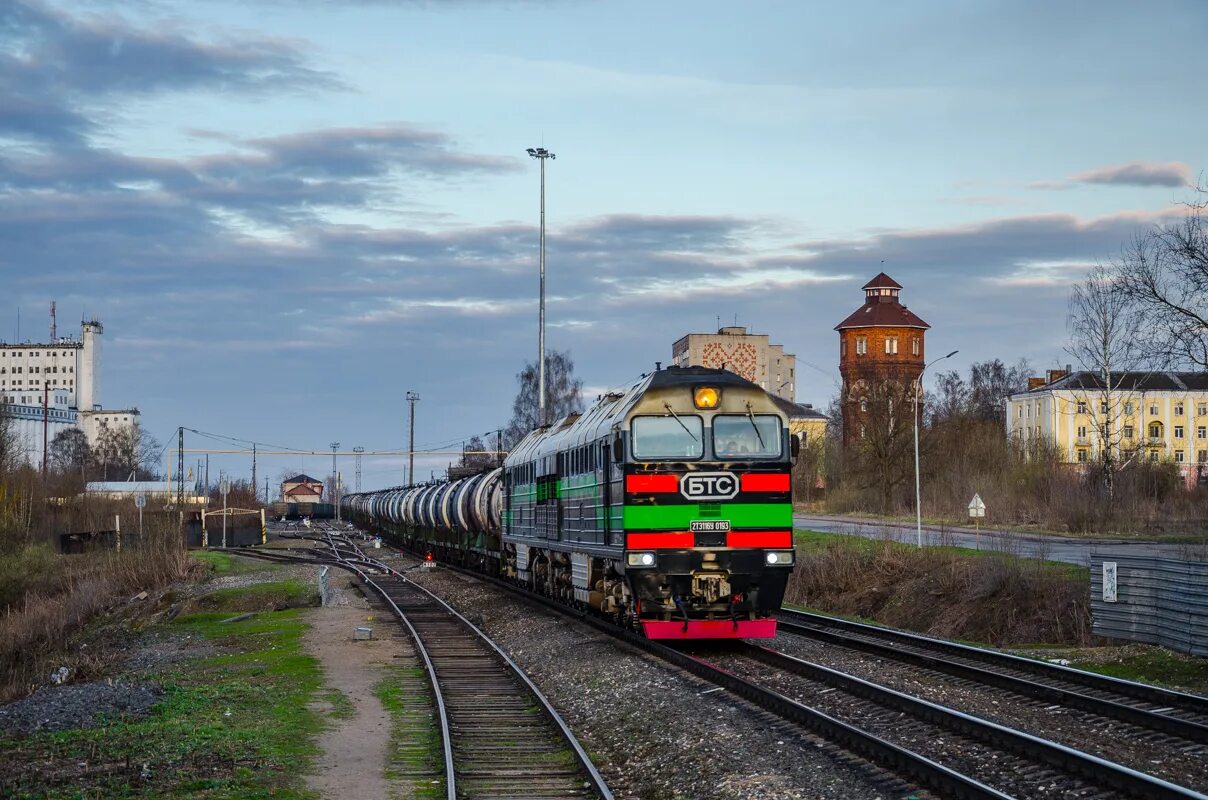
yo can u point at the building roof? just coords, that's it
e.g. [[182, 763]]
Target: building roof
[[875, 313], [796, 410], [301, 479], [1129, 382], [882, 281]]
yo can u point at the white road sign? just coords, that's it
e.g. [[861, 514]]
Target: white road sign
[[140, 500], [1109, 582], [224, 487], [977, 507]]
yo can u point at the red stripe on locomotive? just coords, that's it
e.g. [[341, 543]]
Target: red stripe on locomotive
[[647, 541], [651, 483], [777, 539], [765, 482]]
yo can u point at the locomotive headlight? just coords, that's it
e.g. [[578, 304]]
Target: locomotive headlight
[[640, 559], [781, 558], [706, 397]]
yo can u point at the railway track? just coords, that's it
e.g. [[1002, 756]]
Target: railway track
[[1178, 714], [501, 738], [1013, 762], [914, 738]]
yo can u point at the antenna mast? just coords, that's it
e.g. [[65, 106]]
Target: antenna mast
[[54, 328]]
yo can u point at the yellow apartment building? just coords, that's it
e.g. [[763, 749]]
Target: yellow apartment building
[[1162, 416]]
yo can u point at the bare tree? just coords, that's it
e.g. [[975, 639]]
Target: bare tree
[[70, 451], [882, 445], [1164, 271], [1105, 325], [474, 454], [982, 397], [563, 395]]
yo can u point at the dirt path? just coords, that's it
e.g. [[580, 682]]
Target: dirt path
[[353, 750]]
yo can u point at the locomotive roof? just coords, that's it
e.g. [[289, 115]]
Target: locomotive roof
[[610, 410]]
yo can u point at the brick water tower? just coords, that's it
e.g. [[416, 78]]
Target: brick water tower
[[881, 341]]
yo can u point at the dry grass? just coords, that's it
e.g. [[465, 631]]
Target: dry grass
[[48, 598], [995, 598]]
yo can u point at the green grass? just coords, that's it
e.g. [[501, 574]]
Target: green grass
[[341, 707], [414, 752], [221, 563], [235, 725], [1157, 666]]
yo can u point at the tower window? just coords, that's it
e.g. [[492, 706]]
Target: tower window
[[861, 345], [891, 345], [914, 346]]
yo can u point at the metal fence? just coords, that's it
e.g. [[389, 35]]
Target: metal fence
[[1161, 601]]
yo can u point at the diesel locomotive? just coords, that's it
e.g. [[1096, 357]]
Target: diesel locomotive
[[666, 505]]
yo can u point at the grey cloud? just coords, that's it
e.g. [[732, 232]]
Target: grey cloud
[[54, 67], [1174, 174]]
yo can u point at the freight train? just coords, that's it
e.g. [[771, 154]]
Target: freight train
[[666, 506]]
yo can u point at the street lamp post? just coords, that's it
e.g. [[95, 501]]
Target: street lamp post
[[541, 154], [918, 493]]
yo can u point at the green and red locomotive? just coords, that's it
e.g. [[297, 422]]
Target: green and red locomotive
[[666, 505]]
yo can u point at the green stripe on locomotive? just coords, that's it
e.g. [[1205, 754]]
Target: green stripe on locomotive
[[680, 517]]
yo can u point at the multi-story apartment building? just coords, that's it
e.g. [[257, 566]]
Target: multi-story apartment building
[[1158, 416], [751, 355]]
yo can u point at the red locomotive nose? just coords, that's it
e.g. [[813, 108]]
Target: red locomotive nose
[[428, 557]]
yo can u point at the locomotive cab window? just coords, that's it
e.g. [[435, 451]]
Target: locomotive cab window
[[743, 436], [681, 436]]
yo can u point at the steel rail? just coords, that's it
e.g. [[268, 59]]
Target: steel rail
[[900, 760], [1098, 770], [1166, 698], [905, 762], [596, 780], [429, 667], [1187, 729]]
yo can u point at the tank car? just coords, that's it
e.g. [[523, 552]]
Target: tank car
[[666, 505]]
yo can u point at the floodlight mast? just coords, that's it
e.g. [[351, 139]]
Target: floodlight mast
[[541, 154]]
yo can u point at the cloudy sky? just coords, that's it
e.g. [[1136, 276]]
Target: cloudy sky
[[287, 214]]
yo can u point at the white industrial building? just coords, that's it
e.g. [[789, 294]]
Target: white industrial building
[[47, 388]]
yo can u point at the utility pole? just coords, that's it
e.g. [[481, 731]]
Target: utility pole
[[358, 451], [334, 447], [541, 154], [180, 467], [46, 409], [918, 492], [207, 491], [255, 488], [499, 446], [412, 398]]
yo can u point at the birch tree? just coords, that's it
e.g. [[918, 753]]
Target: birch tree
[[1105, 340]]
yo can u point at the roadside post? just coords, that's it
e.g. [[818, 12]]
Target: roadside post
[[140, 501], [977, 510], [224, 487]]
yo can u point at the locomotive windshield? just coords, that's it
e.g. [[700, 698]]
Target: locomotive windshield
[[681, 436], [746, 436]]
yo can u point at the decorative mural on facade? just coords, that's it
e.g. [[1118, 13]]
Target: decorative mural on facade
[[740, 359]]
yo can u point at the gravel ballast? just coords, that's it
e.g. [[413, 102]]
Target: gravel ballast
[[1164, 756], [78, 705], [655, 731]]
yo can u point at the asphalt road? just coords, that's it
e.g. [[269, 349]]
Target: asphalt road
[[1053, 548]]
